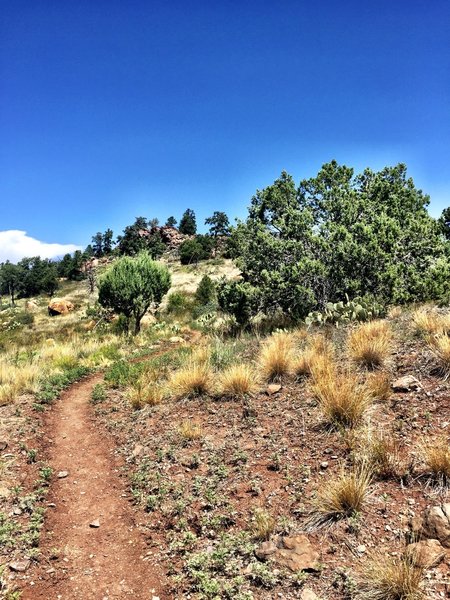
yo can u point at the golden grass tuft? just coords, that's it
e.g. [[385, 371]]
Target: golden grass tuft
[[316, 360], [370, 344], [436, 457], [276, 356], [262, 525], [238, 381], [430, 322], [341, 497], [390, 578], [8, 393], [440, 348], [343, 400], [191, 380], [383, 455], [189, 430], [379, 385]]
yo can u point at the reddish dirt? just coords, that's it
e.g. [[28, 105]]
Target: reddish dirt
[[113, 561]]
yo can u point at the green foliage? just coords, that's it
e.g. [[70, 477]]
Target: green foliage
[[188, 224], [193, 250], [98, 393], [131, 285], [338, 234], [51, 387], [219, 224], [178, 303], [171, 222], [239, 299], [206, 291], [444, 222], [339, 313]]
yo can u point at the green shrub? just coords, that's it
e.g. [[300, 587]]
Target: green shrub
[[178, 303], [206, 291], [239, 299], [98, 393]]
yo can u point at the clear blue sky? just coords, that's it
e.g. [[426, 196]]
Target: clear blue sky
[[113, 109]]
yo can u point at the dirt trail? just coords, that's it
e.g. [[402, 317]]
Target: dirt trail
[[103, 563]]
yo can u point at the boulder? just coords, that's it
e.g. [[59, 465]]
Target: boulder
[[273, 388], [425, 554], [60, 307], [436, 524], [407, 383], [294, 552]]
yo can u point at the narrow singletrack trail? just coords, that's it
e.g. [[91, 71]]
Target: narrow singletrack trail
[[81, 562]]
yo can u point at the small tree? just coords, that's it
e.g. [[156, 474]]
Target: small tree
[[188, 224], [220, 225], [206, 291], [444, 222], [171, 222], [131, 285]]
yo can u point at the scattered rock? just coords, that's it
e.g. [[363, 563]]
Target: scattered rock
[[294, 552], [3, 445], [273, 388], [324, 465], [427, 553], [19, 565], [60, 307], [137, 450], [95, 524], [361, 549], [63, 474], [31, 306], [407, 383], [308, 595], [175, 339], [436, 524]]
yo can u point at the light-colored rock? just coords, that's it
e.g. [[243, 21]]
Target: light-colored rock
[[63, 474], [94, 524], [308, 594], [407, 383], [175, 339], [60, 307], [3, 444], [19, 565], [273, 388], [436, 524], [31, 306], [137, 450], [426, 553], [294, 552]]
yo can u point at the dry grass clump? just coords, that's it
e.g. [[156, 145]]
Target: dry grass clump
[[383, 455], [370, 344], [387, 578], [144, 392], [262, 525], [379, 385], [191, 380], [316, 360], [8, 393], [440, 347], [430, 322], [436, 456], [238, 381], [276, 356], [189, 430], [341, 497], [343, 400], [395, 312]]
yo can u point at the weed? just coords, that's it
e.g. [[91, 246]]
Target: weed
[[382, 453], [436, 456], [379, 385], [276, 356], [341, 497], [342, 399], [98, 393], [370, 343], [440, 347], [238, 381], [192, 380], [387, 578], [190, 431], [262, 525], [428, 322]]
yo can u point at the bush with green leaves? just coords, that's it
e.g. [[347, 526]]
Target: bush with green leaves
[[178, 303], [340, 233], [239, 299], [206, 291], [195, 249], [131, 285]]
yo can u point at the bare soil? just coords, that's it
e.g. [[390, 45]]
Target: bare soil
[[78, 561]]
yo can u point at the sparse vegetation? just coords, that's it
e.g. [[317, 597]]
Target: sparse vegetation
[[238, 381], [276, 356], [371, 343], [388, 578]]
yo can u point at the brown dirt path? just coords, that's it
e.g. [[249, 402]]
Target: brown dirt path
[[102, 563]]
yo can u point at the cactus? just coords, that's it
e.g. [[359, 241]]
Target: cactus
[[340, 313]]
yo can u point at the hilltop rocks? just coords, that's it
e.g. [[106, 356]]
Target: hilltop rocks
[[435, 524], [59, 307]]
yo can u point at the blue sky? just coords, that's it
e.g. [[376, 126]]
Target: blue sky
[[113, 109]]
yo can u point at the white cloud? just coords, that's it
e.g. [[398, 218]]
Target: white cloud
[[16, 244]]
